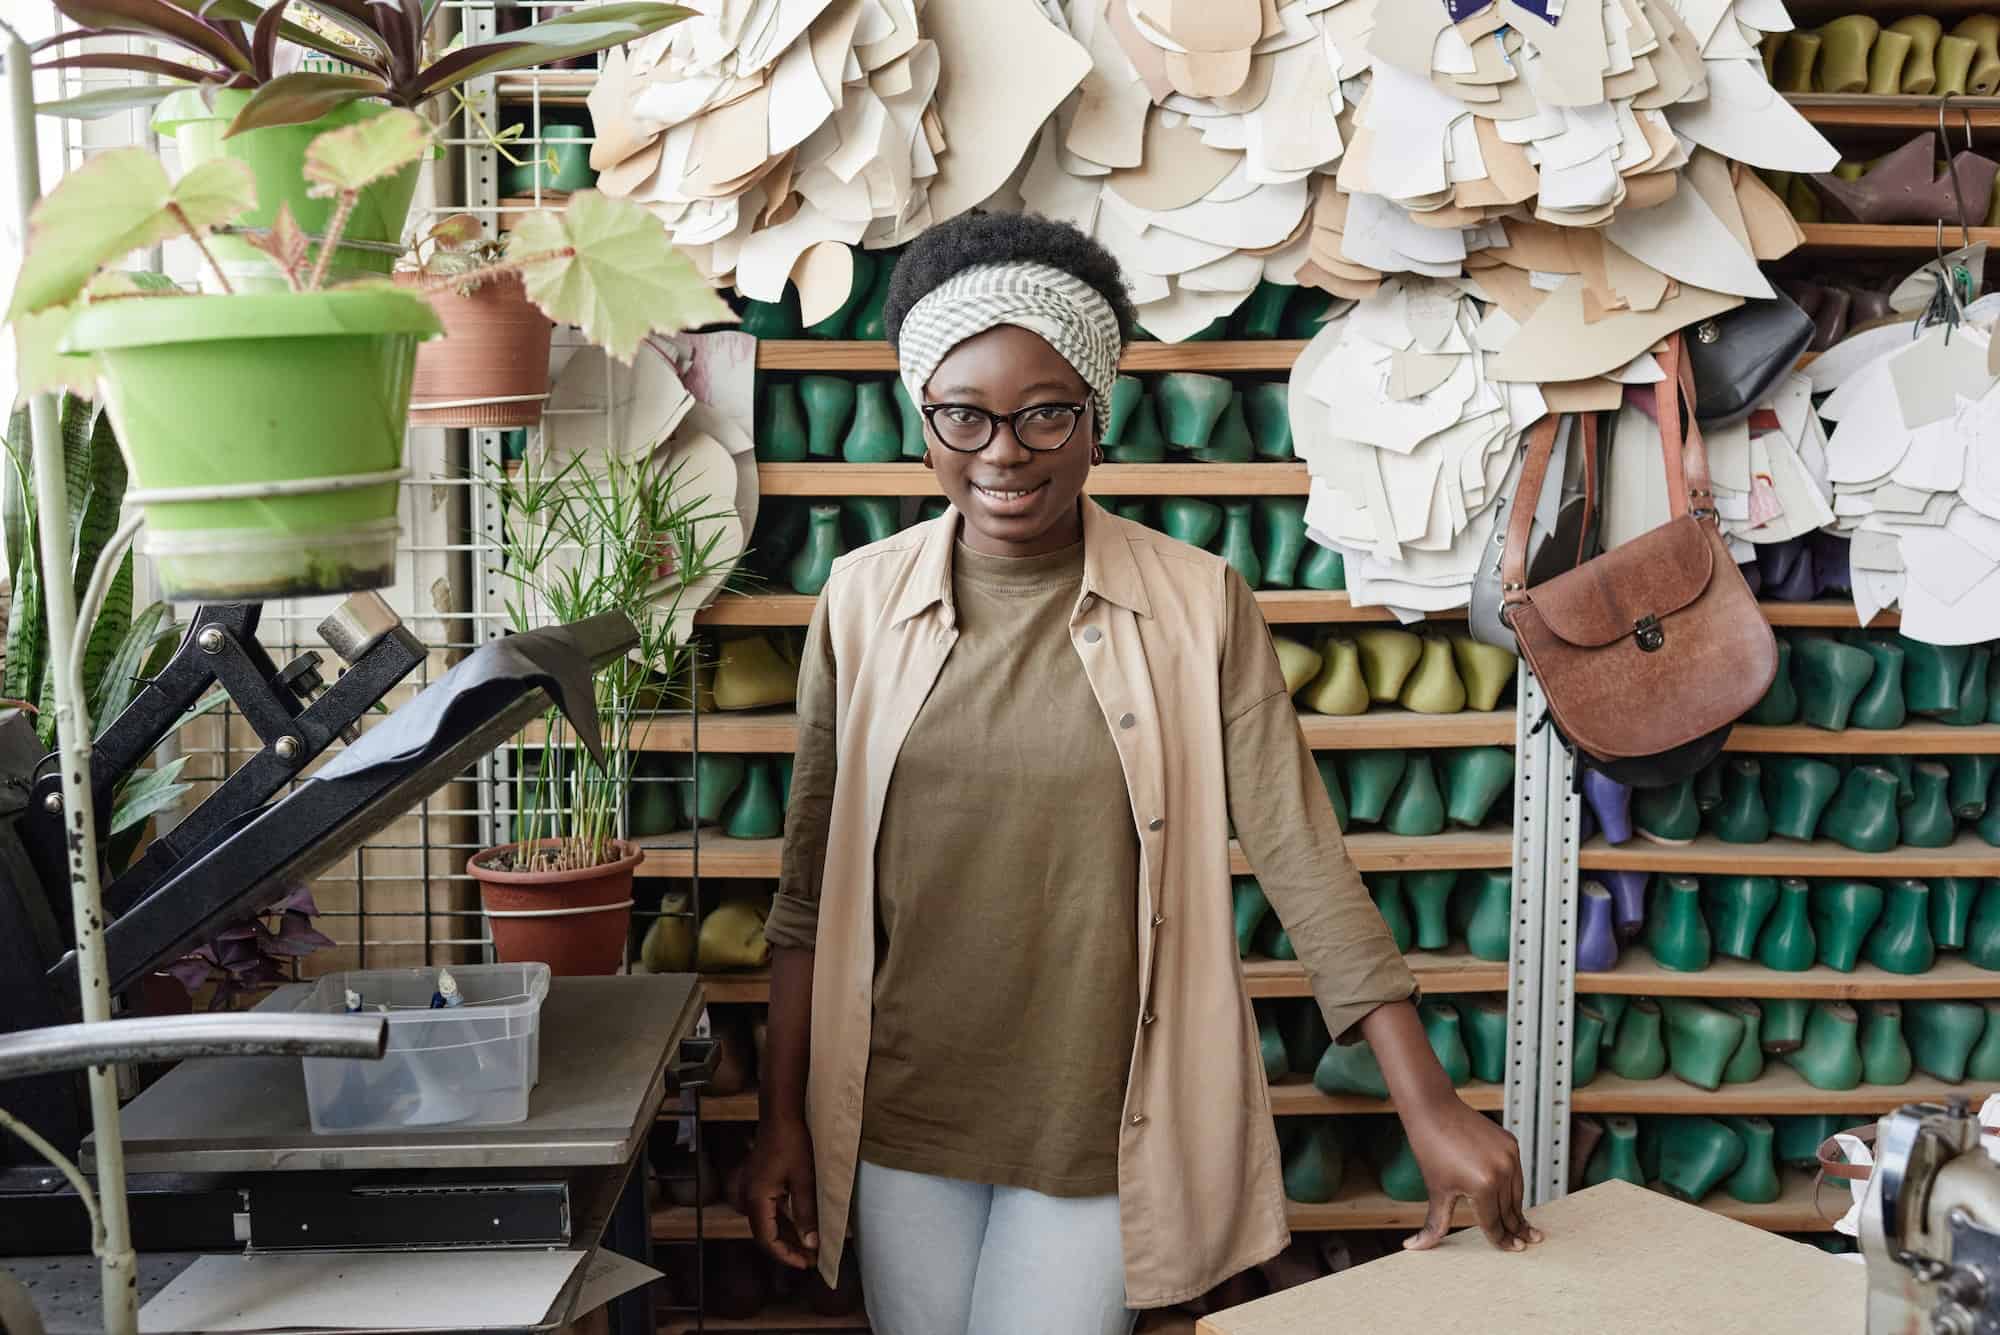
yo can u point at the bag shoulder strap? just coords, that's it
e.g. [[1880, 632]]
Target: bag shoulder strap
[[1528, 490], [1686, 455]]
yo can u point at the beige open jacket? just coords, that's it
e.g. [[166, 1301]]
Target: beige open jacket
[[1199, 1185]]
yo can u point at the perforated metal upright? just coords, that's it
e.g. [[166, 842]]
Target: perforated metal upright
[[1526, 1110]]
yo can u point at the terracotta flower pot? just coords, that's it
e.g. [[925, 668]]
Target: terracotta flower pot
[[491, 366], [575, 922]]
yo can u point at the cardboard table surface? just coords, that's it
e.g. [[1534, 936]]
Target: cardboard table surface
[[1617, 1260]]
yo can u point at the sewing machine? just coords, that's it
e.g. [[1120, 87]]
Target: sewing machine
[[1930, 1225]]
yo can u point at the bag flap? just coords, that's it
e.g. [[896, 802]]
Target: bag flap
[[1655, 574]]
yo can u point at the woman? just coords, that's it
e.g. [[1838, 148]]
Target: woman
[[1008, 1041]]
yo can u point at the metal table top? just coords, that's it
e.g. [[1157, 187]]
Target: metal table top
[[605, 1046]]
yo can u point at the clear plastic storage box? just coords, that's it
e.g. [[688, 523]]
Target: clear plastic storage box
[[467, 1065]]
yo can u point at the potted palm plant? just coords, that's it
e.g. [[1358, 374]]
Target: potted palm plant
[[581, 537], [224, 92]]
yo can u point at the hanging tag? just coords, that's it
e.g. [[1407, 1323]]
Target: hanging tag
[[1461, 10], [1548, 11]]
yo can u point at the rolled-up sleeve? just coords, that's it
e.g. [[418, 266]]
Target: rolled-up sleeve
[[1286, 826], [794, 918]]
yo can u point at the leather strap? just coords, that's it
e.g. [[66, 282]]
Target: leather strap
[[1528, 490], [1830, 1165], [1521, 519], [1686, 456], [1583, 532]]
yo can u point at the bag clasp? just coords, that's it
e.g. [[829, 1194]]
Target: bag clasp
[[1649, 633]]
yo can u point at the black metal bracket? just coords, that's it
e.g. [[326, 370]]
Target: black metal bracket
[[219, 648]]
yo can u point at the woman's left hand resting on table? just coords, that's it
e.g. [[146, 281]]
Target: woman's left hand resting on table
[[1461, 1153]]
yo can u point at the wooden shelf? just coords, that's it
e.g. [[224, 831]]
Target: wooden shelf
[[1361, 1204], [558, 88], [750, 986], [1219, 355], [727, 1108], [1169, 479], [676, 1223], [1296, 1096], [776, 1317], [1859, 111], [1780, 1090], [1441, 972], [775, 732], [1825, 614], [1281, 607], [1871, 239], [757, 859], [1638, 974], [1917, 738], [1792, 1212], [1707, 855]]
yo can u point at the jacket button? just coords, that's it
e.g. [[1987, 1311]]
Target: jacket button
[[1087, 602], [1148, 1018], [1126, 720], [1159, 918], [1091, 635], [1138, 1119], [1155, 823]]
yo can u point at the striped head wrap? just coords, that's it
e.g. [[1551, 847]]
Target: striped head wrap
[[1066, 312]]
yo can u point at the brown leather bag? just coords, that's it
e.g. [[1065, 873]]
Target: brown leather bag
[[1648, 653]]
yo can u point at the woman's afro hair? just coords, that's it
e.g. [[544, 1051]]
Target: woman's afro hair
[[977, 238]]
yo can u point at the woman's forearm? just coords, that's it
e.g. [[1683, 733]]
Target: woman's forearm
[[1410, 1067], [787, 1038]]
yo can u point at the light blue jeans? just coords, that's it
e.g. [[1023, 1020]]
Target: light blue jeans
[[943, 1257]]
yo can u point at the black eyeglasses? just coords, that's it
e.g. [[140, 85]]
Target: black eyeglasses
[[967, 430]]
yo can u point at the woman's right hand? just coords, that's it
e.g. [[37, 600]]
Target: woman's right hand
[[783, 1204]]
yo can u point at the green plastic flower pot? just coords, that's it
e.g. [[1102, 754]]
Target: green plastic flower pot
[[264, 434], [373, 236]]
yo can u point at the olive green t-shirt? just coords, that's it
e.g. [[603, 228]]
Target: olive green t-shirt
[[1007, 865]]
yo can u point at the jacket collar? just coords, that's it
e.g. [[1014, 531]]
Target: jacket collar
[[1109, 569]]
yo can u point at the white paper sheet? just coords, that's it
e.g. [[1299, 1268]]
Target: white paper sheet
[[362, 1291]]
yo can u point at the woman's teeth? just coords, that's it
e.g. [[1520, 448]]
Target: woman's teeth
[[999, 495]]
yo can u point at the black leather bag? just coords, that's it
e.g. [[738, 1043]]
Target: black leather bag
[[1737, 356]]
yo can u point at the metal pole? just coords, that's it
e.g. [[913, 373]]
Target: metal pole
[[117, 1267]]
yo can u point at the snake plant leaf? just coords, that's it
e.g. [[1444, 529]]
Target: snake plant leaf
[[360, 155], [146, 795], [13, 505], [607, 266], [119, 682], [295, 99]]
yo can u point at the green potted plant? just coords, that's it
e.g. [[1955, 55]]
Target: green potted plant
[[226, 97], [582, 537], [264, 431]]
